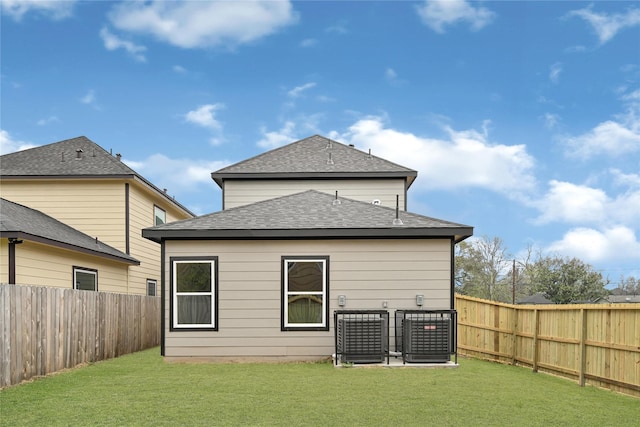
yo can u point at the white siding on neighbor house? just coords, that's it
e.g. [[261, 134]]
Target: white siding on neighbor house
[[366, 272], [44, 265], [244, 192]]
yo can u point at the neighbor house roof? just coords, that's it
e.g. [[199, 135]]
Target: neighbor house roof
[[310, 214], [21, 222], [72, 158], [616, 299], [314, 157], [537, 298]]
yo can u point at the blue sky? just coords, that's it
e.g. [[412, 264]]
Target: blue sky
[[521, 118]]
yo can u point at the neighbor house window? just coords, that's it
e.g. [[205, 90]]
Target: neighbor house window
[[194, 293], [160, 216], [85, 279], [151, 287], [305, 293]]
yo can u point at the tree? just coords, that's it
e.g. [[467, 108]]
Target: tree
[[482, 269], [627, 286], [566, 280]]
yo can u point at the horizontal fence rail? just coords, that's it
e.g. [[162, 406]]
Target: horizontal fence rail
[[596, 344], [44, 330]]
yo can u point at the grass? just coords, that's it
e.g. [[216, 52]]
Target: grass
[[141, 389]]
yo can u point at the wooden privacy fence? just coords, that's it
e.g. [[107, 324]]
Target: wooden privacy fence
[[43, 330], [597, 344]]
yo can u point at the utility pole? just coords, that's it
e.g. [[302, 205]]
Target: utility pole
[[513, 283]]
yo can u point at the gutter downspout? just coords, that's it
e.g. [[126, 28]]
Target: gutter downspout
[[12, 259]]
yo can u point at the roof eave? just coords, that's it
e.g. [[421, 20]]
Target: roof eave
[[219, 178], [458, 234], [62, 245]]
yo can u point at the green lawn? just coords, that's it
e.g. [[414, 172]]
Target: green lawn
[[141, 389]]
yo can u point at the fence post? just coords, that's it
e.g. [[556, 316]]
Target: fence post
[[536, 321], [583, 347], [514, 335]]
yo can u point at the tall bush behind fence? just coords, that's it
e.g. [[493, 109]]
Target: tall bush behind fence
[[597, 344], [44, 330]]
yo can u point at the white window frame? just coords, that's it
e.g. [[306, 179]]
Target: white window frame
[[213, 261], [155, 287], [84, 270], [158, 212], [324, 324]]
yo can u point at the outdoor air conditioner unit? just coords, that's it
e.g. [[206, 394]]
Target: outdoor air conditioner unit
[[362, 340], [427, 340]]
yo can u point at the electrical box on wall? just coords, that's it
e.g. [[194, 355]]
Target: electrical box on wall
[[419, 300], [342, 300]]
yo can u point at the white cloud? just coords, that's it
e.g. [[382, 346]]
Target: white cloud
[[609, 138], [55, 10], [554, 72], [90, 99], [607, 26], [308, 43], [48, 120], [390, 74], [179, 69], [581, 204], [10, 145], [113, 42], [278, 138], [467, 159], [551, 120], [572, 203], [297, 91], [205, 116], [591, 245], [201, 24], [437, 14], [178, 176]]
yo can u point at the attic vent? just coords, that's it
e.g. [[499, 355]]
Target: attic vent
[[118, 156], [376, 202], [369, 155], [397, 220], [79, 152], [336, 201], [330, 160]]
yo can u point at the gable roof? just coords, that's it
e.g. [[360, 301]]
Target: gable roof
[[72, 158], [314, 157], [310, 214], [21, 222]]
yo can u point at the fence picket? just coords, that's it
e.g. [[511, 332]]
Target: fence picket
[[43, 330]]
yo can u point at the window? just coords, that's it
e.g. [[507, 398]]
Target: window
[[151, 287], [194, 293], [85, 279], [305, 293], [160, 216]]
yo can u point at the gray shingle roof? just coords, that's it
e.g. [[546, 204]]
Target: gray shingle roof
[[310, 214], [62, 159], [21, 222], [317, 157]]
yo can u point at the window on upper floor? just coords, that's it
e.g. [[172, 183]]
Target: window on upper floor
[[194, 293], [305, 293], [85, 279], [151, 287], [159, 215]]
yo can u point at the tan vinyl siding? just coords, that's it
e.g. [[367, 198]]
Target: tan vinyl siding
[[141, 215], [244, 192], [44, 265], [95, 207], [367, 272]]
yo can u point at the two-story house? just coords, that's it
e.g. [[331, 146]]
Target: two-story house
[[79, 188], [305, 229]]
